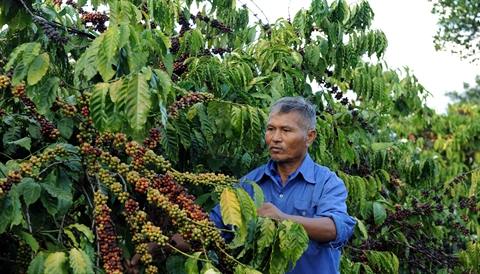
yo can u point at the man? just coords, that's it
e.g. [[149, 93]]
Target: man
[[300, 190]]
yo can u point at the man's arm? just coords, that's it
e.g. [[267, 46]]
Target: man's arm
[[320, 229], [331, 222]]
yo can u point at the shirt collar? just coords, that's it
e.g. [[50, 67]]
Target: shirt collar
[[307, 169]]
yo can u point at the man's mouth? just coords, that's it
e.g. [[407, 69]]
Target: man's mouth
[[275, 149]]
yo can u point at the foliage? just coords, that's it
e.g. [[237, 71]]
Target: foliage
[[458, 26], [115, 140], [470, 94]]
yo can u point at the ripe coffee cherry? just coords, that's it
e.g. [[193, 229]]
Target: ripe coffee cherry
[[19, 90], [97, 19], [187, 101]]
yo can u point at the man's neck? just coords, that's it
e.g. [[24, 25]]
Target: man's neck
[[286, 168]]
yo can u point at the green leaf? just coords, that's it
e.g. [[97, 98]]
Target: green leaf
[[249, 211], [278, 263], [175, 264], [208, 268], [36, 265], [191, 265], [361, 227], [268, 231], [136, 101], [57, 187], [80, 262], [70, 235], [114, 91], [30, 240], [240, 269], [475, 179], [56, 263], [30, 190], [293, 240], [380, 146], [257, 195], [84, 229], [107, 51], [98, 105], [16, 53], [25, 142], [38, 68], [65, 126], [379, 213]]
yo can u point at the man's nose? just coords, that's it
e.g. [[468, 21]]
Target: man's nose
[[277, 136]]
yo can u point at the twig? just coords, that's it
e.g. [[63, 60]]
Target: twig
[[123, 181], [231, 257], [254, 13], [28, 220], [266, 18], [186, 254], [6, 155], [60, 230], [58, 25], [49, 166]]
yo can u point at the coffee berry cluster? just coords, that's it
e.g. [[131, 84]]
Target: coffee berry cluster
[[67, 109], [30, 167], [218, 181], [107, 238], [47, 128], [187, 101], [97, 19], [4, 81]]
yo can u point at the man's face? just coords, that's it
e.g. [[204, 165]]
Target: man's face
[[287, 137]]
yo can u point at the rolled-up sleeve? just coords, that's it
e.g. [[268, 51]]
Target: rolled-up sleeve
[[332, 203]]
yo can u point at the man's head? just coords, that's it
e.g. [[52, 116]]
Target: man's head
[[290, 129]]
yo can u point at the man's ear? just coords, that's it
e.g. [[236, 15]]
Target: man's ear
[[311, 135]]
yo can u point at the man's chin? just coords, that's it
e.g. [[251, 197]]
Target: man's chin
[[277, 159]]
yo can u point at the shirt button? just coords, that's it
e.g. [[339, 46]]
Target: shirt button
[[281, 195]]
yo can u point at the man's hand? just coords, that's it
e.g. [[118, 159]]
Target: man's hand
[[320, 229], [271, 211]]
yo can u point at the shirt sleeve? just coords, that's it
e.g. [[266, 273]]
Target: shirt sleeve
[[332, 204]]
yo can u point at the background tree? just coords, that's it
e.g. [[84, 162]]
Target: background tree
[[471, 94], [459, 26]]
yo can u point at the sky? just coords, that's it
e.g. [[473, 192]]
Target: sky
[[409, 27]]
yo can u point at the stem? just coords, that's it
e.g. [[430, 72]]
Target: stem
[[59, 237], [231, 257], [58, 25], [49, 166], [266, 18], [28, 220], [186, 254], [97, 263], [254, 13], [123, 181], [6, 155]]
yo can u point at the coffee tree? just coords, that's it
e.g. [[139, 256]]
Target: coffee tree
[[122, 126]]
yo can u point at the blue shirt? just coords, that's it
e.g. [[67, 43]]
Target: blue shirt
[[311, 191]]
